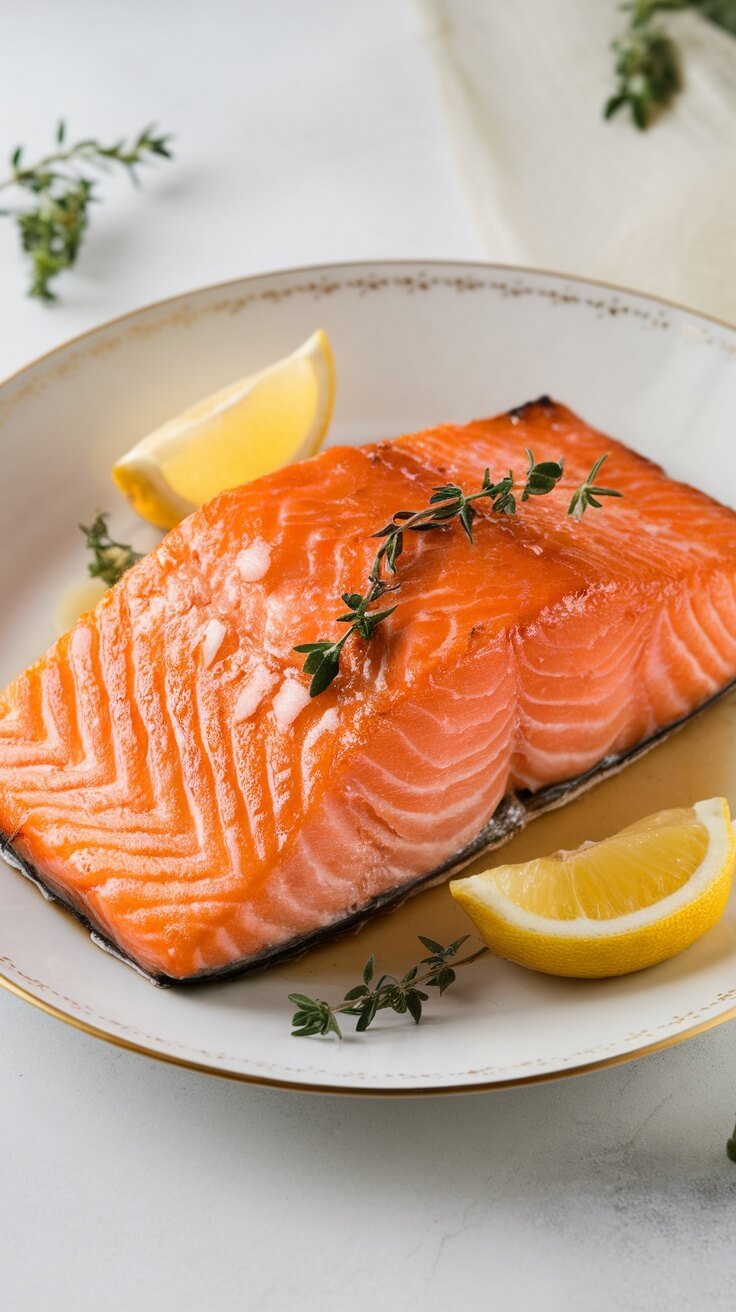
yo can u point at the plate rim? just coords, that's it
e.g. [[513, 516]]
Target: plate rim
[[347, 1090], [618, 1059], [395, 261]]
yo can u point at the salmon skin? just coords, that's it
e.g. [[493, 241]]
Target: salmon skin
[[165, 775]]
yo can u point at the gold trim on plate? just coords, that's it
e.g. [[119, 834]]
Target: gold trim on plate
[[489, 266], [487, 1086]]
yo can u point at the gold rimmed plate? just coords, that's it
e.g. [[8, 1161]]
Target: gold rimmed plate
[[414, 344]]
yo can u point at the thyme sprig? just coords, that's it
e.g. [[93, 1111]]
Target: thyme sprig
[[110, 559], [647, 64], [52, 229], [446, 503], [587, 493], [365, 1000], [647, 59]]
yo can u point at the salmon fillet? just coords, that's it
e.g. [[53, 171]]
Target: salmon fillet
[[164, 772]]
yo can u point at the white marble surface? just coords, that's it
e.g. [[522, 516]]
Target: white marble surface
[[309, 132]]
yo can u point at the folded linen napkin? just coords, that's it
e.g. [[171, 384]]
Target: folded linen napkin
[[553, 185]]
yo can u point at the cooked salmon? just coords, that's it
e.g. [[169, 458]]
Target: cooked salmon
[[165, 774]]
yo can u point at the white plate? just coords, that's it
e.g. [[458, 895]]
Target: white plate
[[414, 344]]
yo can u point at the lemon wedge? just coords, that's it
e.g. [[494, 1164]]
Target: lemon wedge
[[250, 428], [610, 907]]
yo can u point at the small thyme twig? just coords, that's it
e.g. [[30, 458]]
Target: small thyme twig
[[647, 59], [447, 502], [586, 494], [647, 65], [110, 559], [365, 1000], [52, 230]]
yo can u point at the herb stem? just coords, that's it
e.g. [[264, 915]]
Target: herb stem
[[19, 177]]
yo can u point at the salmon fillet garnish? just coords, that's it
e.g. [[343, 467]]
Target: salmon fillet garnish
[[164, 772]]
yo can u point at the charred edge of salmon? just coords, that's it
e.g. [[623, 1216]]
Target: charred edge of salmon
[[543, 402], [509, 818]]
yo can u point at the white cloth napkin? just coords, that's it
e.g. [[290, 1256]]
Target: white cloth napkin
[[553, 185]]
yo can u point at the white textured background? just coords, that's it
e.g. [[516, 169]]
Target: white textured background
[[308, 132]]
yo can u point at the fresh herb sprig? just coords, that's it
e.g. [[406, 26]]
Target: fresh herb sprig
[[587, 493], [110, 559], [647, 59], [365, 1000], [647, 64], [52, 228], [447, 503]]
